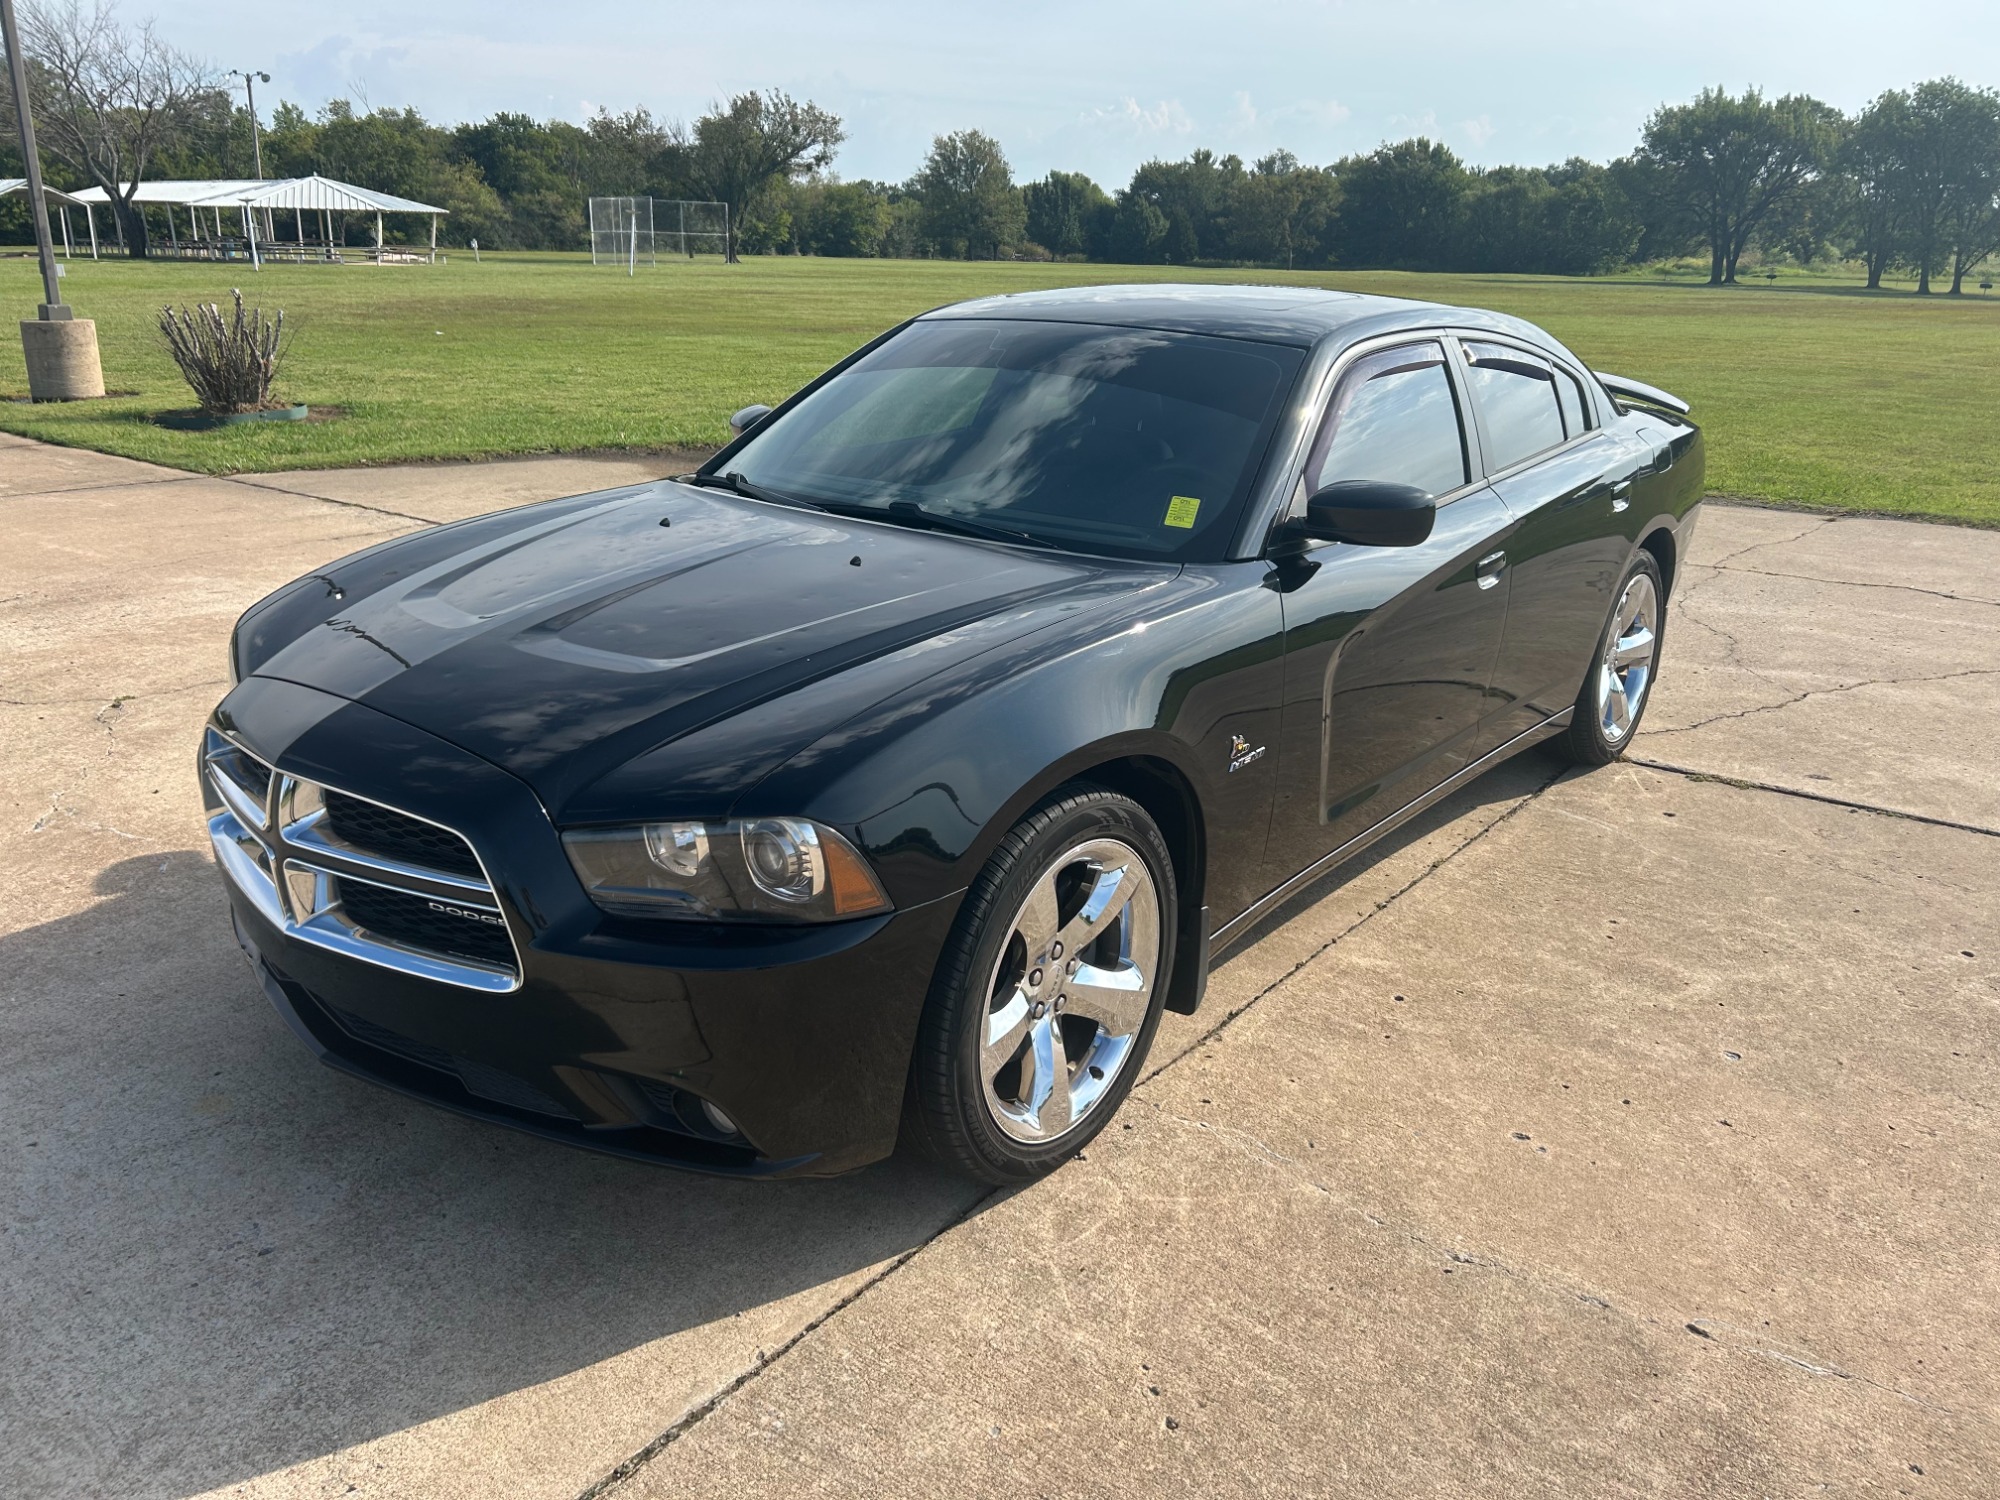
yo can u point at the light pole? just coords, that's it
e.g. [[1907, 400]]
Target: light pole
[[250, 82], [256, 138], [61, 348]]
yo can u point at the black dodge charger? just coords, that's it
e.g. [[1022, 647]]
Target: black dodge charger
[[888, 777]]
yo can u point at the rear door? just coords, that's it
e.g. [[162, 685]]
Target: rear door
[[1388, 650], [1566, 483]]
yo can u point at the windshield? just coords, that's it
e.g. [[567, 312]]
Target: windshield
[[1125, 441]]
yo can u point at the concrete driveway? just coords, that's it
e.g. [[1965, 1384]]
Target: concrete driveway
[[1608, 1134]]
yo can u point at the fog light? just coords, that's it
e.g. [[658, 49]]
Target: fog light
[[718, 1119]]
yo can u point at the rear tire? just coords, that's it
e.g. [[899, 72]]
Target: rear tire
[[1620, 684], [1048, 992]]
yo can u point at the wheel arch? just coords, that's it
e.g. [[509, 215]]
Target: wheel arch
[[1163, 788], [1660, 543]]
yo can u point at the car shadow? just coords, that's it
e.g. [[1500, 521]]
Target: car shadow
[[222, 1258]]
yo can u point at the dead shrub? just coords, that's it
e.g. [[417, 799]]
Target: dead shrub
[[229, 360]]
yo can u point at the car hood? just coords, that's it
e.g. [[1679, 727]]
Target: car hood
[[564, 646]]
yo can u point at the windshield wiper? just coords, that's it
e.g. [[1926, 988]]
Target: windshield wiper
[[736, 484], [937, 520]]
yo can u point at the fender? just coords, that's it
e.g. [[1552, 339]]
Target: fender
[[985, 740]]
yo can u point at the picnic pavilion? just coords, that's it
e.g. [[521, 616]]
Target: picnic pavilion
[[62, 202], [246, 219]]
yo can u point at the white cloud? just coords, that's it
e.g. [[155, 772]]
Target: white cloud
[[1167, 117], [1323, 112], [1478, 131]]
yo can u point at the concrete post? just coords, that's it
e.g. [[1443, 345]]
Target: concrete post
[[61, 349], [62, 360]]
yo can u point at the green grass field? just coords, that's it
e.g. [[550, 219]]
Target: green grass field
[[1811, 393]]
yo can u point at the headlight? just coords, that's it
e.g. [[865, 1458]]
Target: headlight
[[759, 868]]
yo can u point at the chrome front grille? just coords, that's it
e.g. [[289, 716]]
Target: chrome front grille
[[356, 877]]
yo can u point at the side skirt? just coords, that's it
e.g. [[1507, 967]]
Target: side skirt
[[1236, 928]]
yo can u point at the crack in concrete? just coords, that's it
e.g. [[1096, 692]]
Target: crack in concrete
[[1732, 652], [1859, 583], [1746, 785], [125, 484], [186, 687], [695, 1415], [1845, 687], [279, 489], [1818, 522], [1750, 1343]]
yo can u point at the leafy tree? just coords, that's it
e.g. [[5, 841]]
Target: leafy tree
[[1400, 205], [1138, 233], [843, 218], [1568, 220], [1591, 226], [1502, 220], [107, 99], [903, 236], [738, 151], [1733, 161], [971, 207], [1871, 168], [1195, 197], [1282, 211], [1067, 214], [391, 151], [1949, 179], [539, 171], [1812, 222]]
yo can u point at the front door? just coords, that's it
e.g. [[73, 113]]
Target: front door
[[1388, 650]]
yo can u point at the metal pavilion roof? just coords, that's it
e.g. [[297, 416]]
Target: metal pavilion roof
[[11, 185], [312, 193], [318, 192], [175, 193]]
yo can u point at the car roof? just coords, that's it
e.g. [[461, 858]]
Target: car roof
[[1300, 315]]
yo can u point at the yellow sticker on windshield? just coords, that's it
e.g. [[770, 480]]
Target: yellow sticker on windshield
[[1181, 512]]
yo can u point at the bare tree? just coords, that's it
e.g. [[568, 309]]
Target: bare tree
[[108, 96]]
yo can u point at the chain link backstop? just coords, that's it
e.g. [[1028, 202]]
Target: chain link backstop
[[632, 232]]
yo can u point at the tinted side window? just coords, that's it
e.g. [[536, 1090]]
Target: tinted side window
[[1516, 396], [1393, 418], [1576, 418]]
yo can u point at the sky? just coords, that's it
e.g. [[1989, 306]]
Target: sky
[[1099, 87]]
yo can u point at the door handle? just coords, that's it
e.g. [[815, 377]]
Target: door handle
[[1489, 568], [1621, 496]]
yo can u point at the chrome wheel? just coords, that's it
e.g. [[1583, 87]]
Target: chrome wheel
[[1071, 990], [1626, 671]]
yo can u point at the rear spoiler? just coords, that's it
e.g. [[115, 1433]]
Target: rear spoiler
[[1638, 390]]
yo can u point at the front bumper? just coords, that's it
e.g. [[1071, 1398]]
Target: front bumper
[[617, 1030]]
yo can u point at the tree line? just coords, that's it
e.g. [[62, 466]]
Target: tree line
[[1909, 184]]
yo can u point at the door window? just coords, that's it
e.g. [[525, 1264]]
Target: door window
[[1516, 395], [1576, 415], [1393, 418]]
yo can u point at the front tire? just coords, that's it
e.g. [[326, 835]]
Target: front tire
[[1047, 994], [1615, 694]]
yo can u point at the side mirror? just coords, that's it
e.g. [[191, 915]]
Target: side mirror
[[748, 418], [1370, 513]]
